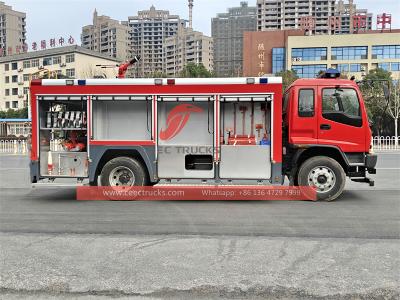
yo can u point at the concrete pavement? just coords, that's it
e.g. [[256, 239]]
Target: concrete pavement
[[200, 267]]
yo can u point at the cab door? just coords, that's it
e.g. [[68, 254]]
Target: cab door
[[303, 123], [340, 119]]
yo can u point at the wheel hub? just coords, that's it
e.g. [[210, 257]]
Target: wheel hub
[[121, 176], [322, 178]]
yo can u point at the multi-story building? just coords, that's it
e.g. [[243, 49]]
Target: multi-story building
[[352, 54], [12, 30], [187, 46], [16, 71], [107, 36], [346, 12], [148, 30], [287, 14], [318, 17], [227, 33]]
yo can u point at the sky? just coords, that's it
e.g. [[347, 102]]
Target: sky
[[48, 19]]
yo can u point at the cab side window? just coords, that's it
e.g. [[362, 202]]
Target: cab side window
[[342, 106], [306, 103]]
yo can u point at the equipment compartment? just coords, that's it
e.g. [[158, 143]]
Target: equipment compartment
[[63, 136]]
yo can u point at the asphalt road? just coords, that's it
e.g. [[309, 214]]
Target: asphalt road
[[361, 212], [52, 245]]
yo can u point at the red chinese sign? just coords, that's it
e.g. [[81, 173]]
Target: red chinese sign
[[383, 20], [335, 22], [307, 23], [359, 22], [43, 45]]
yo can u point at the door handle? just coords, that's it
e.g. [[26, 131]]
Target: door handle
[[325, 126]]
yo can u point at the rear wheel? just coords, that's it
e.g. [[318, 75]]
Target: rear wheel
[[325, 175], [123, 172]]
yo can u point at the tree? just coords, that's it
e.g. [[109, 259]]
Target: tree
[[288, 77], [158, 75], [192, 70], [14, 113], [374, 97], [394, 107]]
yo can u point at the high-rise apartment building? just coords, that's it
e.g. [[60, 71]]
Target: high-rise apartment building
[[187, 46], [318, 17], [288, 14], [227, 33], [107, 36], [148, 30], [346, 12], [12, 30]]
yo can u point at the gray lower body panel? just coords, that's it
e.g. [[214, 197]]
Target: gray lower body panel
[[245, 162]]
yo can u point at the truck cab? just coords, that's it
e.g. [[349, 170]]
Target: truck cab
[[326, 135]]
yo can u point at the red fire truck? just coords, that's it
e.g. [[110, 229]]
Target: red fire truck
[[125, 132]]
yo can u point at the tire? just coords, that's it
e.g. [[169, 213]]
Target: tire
[[325, 174], [123, 171]]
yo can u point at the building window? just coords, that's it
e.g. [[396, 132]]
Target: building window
[[14, 66], [382, 52], [14, 78], [27, 64], [306, 103], [14, 91], [7, 104], [395, 66], [26, 90], [70, 72], [7, 92], [7, 79], [384, 66], [355, 67], [308, 54], [70, 58], [308, 71], [343, 68], [56, 60], [278, 60], [47, 61], [349, 53], [15, 104], [26, 77], [35, 63], [6, 67]]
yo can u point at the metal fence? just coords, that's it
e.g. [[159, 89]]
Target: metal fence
[[20, 146], [382, 143], [13, 146]]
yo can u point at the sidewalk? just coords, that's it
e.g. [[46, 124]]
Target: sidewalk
[[200, 267]]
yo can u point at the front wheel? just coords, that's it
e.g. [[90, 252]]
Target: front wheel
[[325, 175], [123, 172]]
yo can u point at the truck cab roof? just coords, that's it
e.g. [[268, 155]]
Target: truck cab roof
[[323, 82]]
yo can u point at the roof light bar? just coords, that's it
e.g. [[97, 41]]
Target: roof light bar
[[330, 73]]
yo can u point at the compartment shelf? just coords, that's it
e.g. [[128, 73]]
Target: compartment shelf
[[64, 128]]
